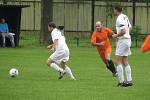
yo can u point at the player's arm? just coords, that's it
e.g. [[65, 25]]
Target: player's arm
[[55, 42], [53, 45], [110, 32], [130, 28], [93, 41], [49, 47], [122, 28], [55, 38], [98, 44], [122, 32]]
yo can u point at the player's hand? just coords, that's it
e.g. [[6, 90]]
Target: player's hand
[[49, 47], [114, 36], [101, 44]]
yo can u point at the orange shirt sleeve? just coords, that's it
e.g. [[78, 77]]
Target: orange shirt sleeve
[[110, 32], [93, 38], [145, 46]]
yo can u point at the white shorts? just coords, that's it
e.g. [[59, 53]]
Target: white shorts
[[59, 56], [123, 47]]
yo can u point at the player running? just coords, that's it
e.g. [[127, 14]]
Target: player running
[[123, 37], [61, 53], [146, 45], [101, 40]]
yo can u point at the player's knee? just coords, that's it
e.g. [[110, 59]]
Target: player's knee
[[48, 63], [107, 56], [63, 64], [125, 63], [117, 63]]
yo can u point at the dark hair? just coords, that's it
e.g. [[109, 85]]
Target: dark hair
[[51, 24], [118, 8], [60, 27], [2, 19]]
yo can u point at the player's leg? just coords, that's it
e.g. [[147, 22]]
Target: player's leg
[[128, 71], [123, 49], [3, 39], [67, 70], [101, 54], [103, 57], [145, 46], [51, 62], [64, 59], [10, 35], [109, 63], [127, 52], [118, 61], [119, 70]]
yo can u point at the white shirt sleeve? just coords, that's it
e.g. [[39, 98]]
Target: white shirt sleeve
[[55, 35], [121, 22], [130, 26], [124, 22]]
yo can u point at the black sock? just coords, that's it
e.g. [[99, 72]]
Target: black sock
[[107, 65], [110, 66]]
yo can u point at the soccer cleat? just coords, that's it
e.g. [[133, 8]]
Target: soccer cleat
[[129, 83], [114, 74], [123, 84], [73, 78], [61, 75], [119, 84]]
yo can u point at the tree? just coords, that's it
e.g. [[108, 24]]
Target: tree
[[134, 5], [5, 1], [46, 17]]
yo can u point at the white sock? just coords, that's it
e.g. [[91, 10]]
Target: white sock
[[128, 72], [3, 40], [120, 73], [69, 73], [56, 67]]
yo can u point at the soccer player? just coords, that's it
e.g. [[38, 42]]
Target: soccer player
[[101, 40], [146, 45], [123, 45], [61, 53]]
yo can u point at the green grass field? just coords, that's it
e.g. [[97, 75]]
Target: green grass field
[[94, 82]]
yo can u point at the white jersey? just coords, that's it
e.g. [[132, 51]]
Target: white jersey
[[56, 34], [122, 22]]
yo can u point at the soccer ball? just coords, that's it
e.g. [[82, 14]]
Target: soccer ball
[[13, 72]]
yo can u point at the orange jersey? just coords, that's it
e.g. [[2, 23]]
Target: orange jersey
[[102, 36], [146, 45], [98, 37]]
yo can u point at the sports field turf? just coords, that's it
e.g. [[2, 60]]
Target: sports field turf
[[94, 82]]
